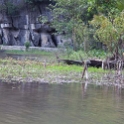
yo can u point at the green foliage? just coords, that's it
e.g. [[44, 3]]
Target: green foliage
[[110, 30], [9, 8], [79, 55], [71, 17], [105, 6], [65, 68], [31, 52], [97, 54], [68, 18], [27, 45], [120, 5], [2, 8], [43, 19], [67, 13]]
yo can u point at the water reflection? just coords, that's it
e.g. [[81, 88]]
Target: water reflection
[[60, 104], [84, 88]]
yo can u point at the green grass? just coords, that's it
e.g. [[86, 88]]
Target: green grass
[[69, 53], [26, 70], [30, 52], [96, 70], [78, 55], [65, 68], [48, 68]]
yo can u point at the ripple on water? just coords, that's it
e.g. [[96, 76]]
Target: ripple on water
[[61, 104]]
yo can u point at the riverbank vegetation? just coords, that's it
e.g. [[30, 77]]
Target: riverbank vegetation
[[13, 71], [48, 70], [91, 21], [96, 28]]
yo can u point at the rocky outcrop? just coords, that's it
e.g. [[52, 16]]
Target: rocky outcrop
[[19, 23]]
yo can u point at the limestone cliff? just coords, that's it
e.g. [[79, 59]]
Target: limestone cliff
[[19, 23]]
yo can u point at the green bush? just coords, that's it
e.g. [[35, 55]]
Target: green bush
[[27, 45]]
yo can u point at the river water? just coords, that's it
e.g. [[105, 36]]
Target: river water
[[33, 103]]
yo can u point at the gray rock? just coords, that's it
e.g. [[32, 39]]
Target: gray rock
[[6, 38], [24, 26], [46, 40], [15, 33], [23, 37], [1, 18], [36, 39]]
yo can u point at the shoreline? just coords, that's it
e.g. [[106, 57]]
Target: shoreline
[[62, 79], [23, 48], [16, 71]]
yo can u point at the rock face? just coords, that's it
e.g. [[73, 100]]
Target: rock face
[[19, 22]]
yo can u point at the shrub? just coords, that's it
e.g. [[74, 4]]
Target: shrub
[[27, 45]]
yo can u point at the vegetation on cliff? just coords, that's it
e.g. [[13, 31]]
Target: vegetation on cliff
[[73, 17], [69, 17]]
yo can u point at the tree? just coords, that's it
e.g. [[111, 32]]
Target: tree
[[106, 6], [110, 31], [68, 18], [71, 16]]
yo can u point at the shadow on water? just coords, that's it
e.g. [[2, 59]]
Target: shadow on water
[[25, 103]]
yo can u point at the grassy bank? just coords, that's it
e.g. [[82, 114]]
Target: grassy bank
[[48, 70], [62, 53], [12, 70], [30, 52]]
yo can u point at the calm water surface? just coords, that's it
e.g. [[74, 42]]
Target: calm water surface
[[60, 104]]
